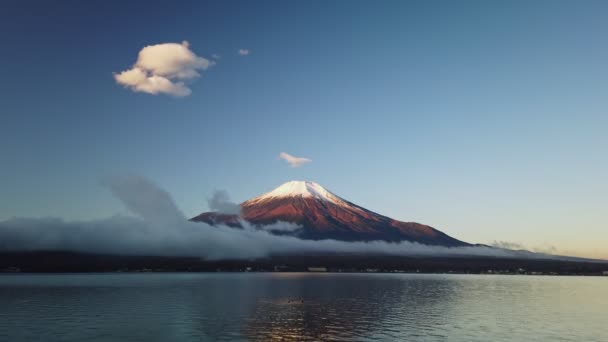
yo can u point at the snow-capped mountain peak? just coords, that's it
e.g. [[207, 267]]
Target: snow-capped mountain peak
[[300, 189], [321, 215]]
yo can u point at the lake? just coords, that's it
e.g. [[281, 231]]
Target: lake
[[301, 306]]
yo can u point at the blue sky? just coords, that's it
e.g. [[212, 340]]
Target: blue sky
[[486, 120]]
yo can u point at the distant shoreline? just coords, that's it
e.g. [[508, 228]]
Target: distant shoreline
[[72, 262], [4, 273]]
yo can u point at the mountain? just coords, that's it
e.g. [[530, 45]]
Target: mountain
[[324, 215]]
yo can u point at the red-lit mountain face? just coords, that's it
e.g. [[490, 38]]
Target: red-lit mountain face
[[323, 215]]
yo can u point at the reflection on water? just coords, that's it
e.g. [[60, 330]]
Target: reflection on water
[[326, 307], [279, 306]]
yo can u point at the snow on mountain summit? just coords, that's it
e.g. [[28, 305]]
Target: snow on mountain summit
[[300, 189]]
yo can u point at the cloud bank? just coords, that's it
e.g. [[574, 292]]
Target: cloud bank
[[160, 228], [294, 161], [163, 69]]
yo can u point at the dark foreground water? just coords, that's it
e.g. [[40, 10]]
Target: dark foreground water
[[283, 306]]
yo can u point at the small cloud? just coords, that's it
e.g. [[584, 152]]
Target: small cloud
[[508, 245], [163, 68], [243, 52], [294, 161], [220, 202], [280, 227], [545, 249], [216, 56]]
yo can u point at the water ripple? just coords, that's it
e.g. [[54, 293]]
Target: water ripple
[[302, 307]]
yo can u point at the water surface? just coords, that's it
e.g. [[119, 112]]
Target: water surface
[[292, 306]]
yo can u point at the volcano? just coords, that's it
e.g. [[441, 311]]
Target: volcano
[[319, 214]]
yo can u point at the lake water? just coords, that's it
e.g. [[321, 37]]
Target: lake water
[[292, 306]]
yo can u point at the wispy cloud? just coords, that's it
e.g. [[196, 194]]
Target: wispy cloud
[[163, 69], [546, 249], [508, 245], [244, 52], [294, 161], [220, 202]]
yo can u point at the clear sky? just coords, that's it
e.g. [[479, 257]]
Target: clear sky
[[487, 120]]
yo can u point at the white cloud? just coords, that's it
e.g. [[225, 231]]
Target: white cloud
[[243, 52], [163, 68], [216, 56], [220, 202], [545, 249], [294, 161], [279, 227]]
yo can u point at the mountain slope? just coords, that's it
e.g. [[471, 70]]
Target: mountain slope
[[324, 215]]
